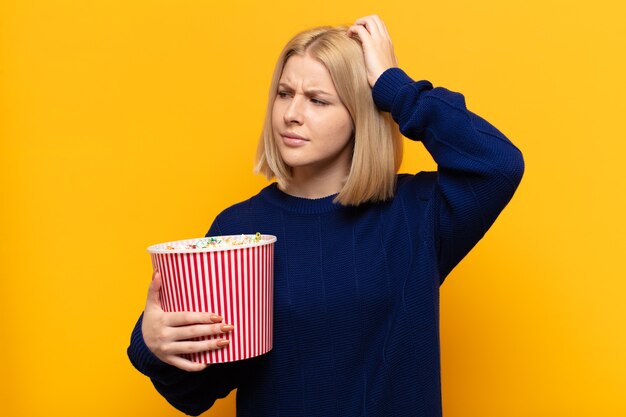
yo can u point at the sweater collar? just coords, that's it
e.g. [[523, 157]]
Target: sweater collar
[[301, 205]]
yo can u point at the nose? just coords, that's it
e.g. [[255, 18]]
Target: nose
[[293, 111]]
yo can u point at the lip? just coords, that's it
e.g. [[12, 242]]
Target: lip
[[291, 135], [293, 140]]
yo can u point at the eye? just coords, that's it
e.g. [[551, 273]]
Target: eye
[[318, 102], [283, 94]]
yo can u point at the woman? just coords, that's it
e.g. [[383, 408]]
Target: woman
[[361, 251]]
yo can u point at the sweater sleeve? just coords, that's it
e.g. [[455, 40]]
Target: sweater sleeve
[[190, 392], [478, 168]]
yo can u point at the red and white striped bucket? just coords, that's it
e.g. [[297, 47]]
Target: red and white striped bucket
[[236, 283]]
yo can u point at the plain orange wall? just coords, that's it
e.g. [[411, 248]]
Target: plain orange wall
[[125, 124]]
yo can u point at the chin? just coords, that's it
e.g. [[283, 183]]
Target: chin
[[293, 161]]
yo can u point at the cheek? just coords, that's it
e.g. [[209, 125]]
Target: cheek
[[341, 127]]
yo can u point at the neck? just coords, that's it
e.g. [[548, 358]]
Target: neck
[[321, 184]]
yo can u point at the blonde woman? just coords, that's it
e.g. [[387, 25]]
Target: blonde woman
[[361, 251]]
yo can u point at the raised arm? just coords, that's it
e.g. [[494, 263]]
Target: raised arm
[[479, 169]]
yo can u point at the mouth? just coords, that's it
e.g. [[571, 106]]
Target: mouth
[[291, 139]]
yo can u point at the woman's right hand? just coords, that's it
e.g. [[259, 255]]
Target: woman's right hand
[[377, 46], [167, 334]]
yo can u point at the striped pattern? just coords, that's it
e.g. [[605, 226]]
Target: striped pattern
[[234, 283]]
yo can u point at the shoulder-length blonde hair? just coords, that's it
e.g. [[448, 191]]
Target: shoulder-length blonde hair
[[377, 148]]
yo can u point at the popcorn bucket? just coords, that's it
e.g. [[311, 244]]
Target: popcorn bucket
[[232, 276]]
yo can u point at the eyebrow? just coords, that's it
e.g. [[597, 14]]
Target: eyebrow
[[308, 92]]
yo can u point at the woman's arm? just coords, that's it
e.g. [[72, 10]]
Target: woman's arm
[[478, 171], [190, 387], [190, 392]]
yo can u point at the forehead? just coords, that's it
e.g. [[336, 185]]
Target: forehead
[[306, 72]]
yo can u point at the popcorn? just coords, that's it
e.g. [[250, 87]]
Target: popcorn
[[222, 242]]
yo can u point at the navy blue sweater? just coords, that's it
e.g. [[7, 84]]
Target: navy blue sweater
[[356, 303]]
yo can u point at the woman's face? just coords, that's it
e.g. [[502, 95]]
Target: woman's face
[[312, 127]]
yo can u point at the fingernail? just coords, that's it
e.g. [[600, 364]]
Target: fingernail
[[223, 342], [215, 318], [227, 328]]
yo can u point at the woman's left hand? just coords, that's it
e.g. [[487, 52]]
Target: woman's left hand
[[377, 46]]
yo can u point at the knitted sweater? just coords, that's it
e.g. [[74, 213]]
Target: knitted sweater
[[356, 291]]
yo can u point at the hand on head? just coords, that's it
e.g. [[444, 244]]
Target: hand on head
[[168, 334], [377, 46]]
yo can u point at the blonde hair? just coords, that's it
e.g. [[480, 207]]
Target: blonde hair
[[377, 147]]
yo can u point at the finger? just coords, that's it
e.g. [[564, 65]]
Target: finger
[[185, 364], [185, 318], [153, 291], [352, 29], [195, 346], [362, 33], [361, 23], [381, 26], [199, 330], [372, 24], [377, 23]]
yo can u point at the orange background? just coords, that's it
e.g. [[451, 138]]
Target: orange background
[[125, 124]]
